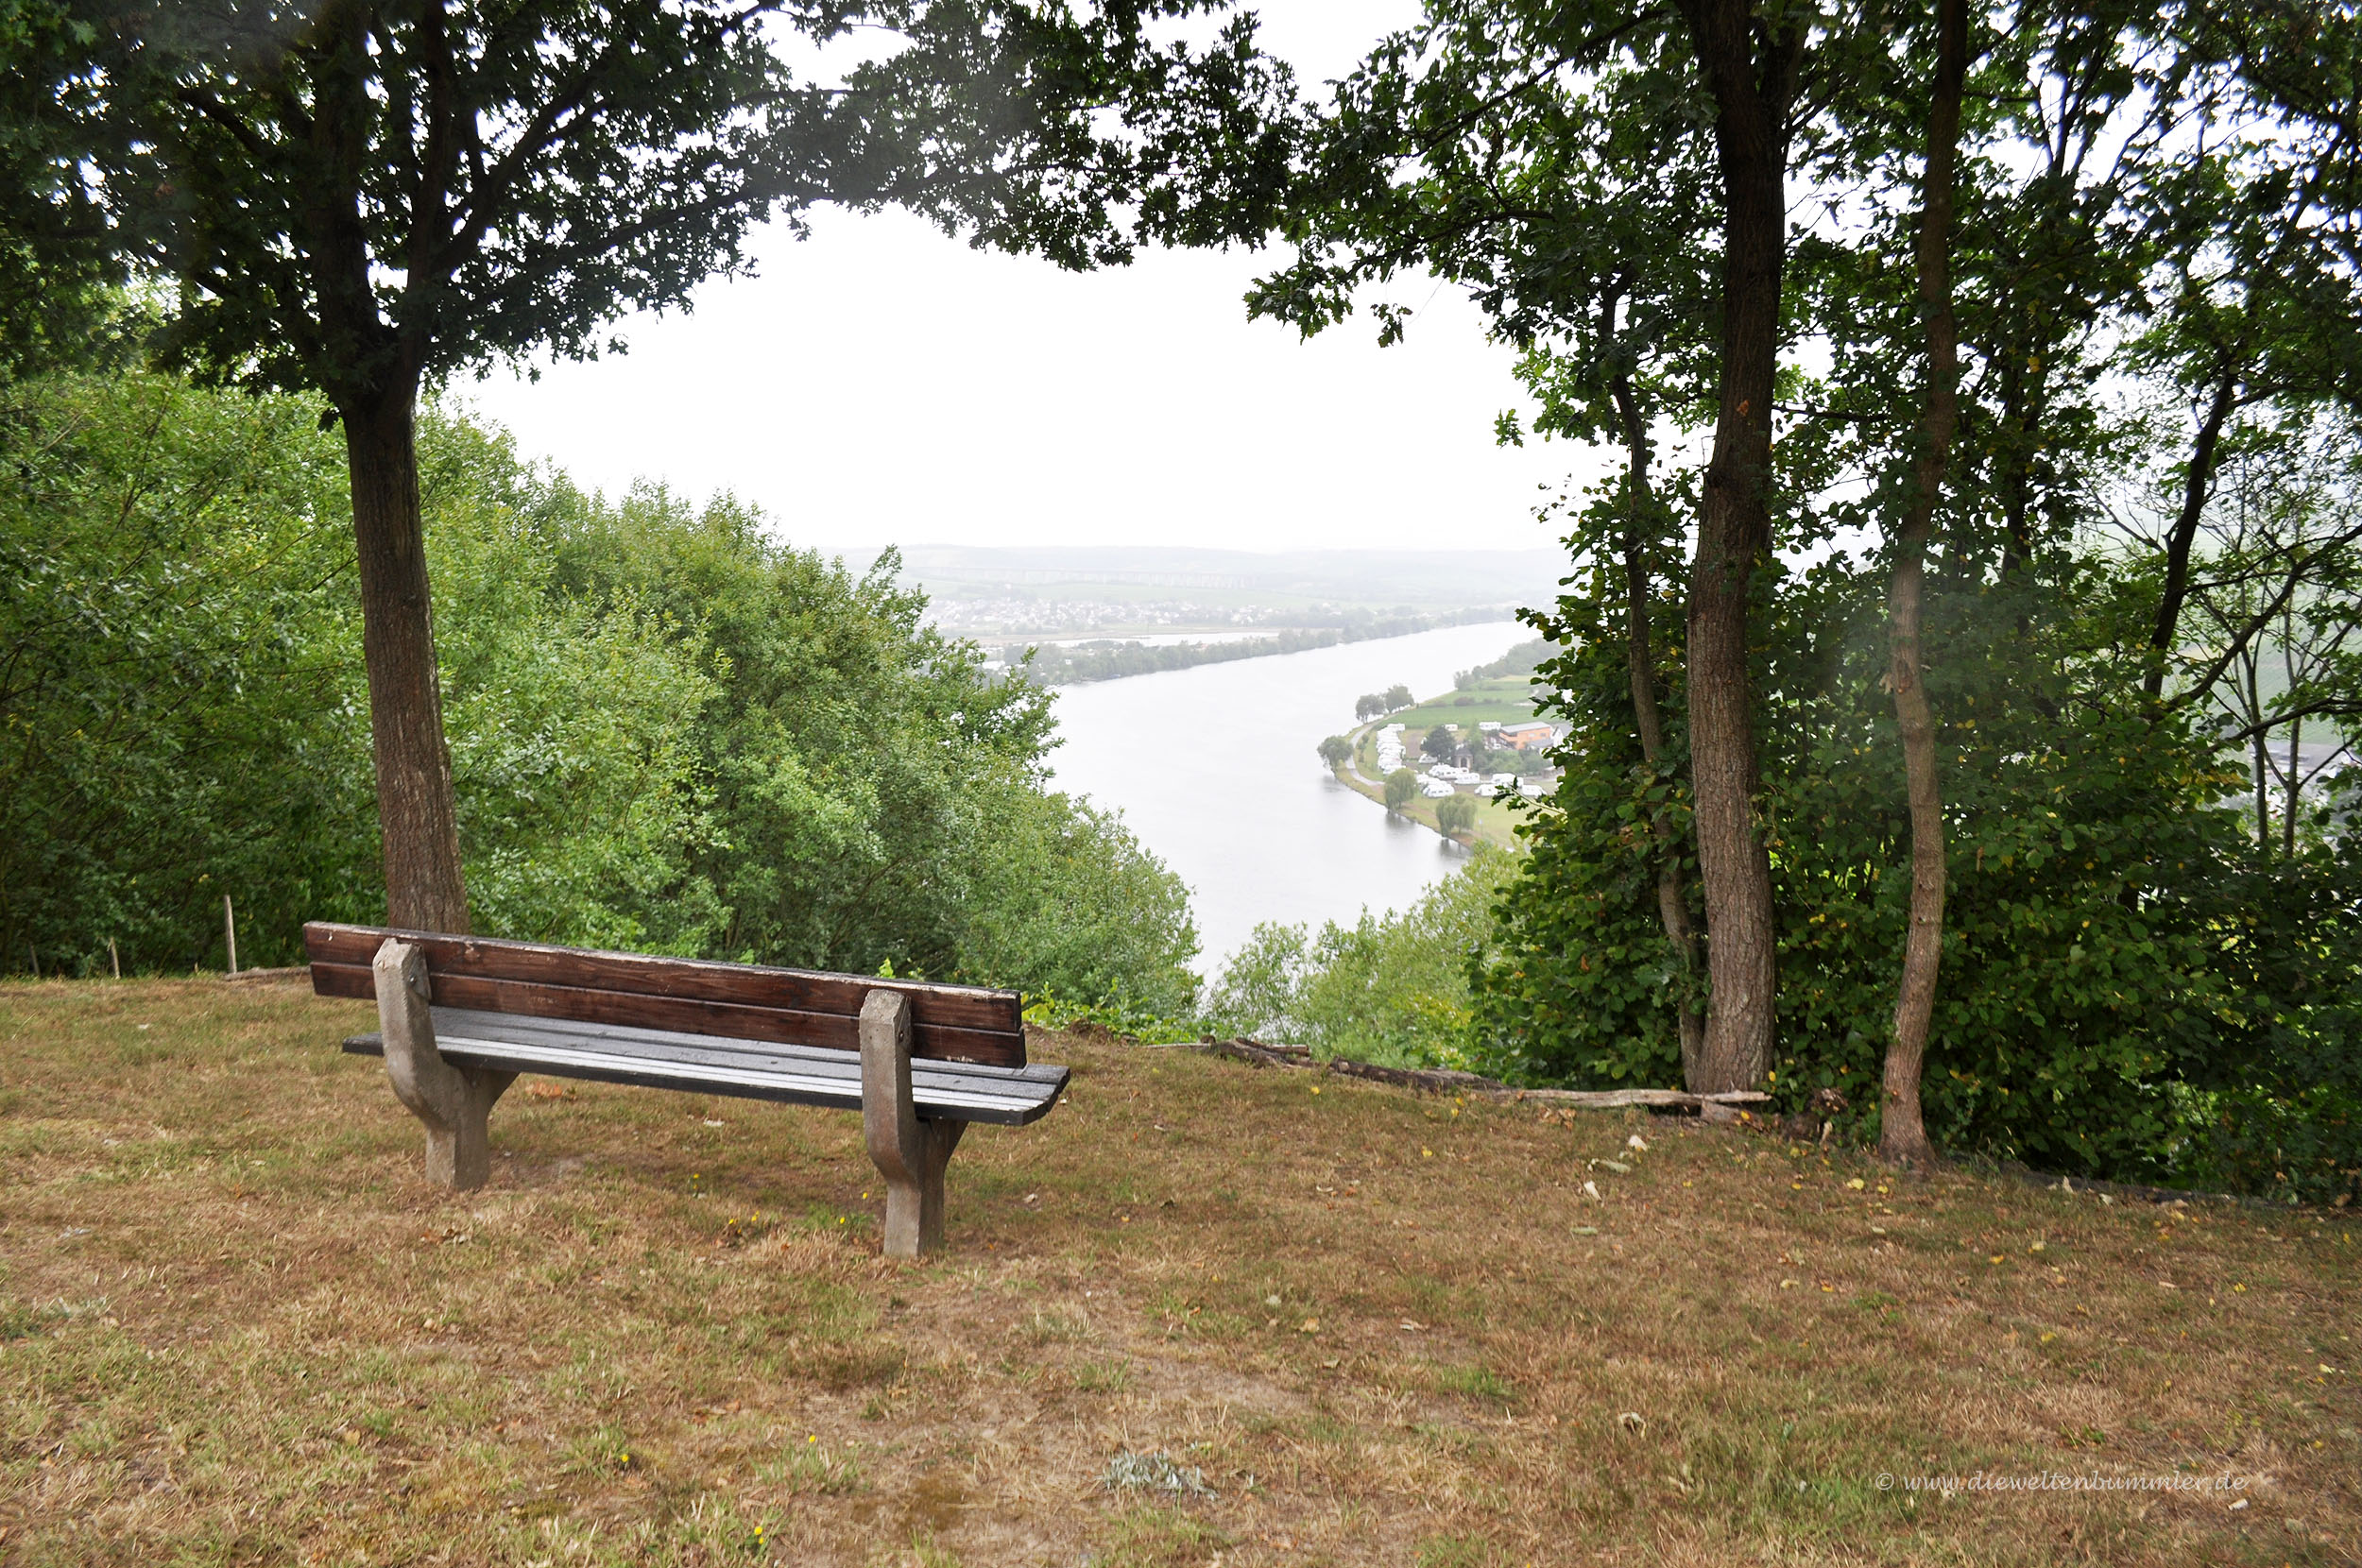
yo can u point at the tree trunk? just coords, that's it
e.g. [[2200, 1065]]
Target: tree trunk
[[415, 814], [1903, 1131], [1672, 898], [2016, 476], [2296, 788], [2197, 486], [2260, 744], [1735, 534]]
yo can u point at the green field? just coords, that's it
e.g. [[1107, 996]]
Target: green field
[[1501, 701]]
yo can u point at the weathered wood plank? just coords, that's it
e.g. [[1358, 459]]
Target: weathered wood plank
[[691, 1014], [755, 985]]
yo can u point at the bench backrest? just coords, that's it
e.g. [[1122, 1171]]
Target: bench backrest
[[950, 1023]]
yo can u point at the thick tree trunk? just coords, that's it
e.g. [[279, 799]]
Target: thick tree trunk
[[2198, 485], [1673, 898], [1751, 97], [424, 887]]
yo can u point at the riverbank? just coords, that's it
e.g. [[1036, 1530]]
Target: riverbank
[[1495, 823], [1074, 664], [1494, 699], [1212, 767]]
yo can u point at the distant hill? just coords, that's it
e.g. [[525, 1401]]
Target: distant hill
[[1371, 579]]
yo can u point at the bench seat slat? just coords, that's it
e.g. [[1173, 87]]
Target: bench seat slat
[[524, 1030], [667, 1060]]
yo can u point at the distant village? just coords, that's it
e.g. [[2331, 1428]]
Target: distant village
[[1456, 754]]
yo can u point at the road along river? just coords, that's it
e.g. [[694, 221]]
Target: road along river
[[1214, 768]]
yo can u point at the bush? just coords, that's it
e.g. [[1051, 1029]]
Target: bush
[[1400, 786], [2275, 1104], [178, 573], [1456, 814], [1389, 988]]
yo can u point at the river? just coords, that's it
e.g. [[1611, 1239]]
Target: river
[[1214, 770]]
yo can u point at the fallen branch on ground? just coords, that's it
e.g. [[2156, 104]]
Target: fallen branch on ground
[[1446, 1081], [1609, 1099]]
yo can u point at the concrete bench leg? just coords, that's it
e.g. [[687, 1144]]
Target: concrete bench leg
[[455, 1103], [909, 1150]]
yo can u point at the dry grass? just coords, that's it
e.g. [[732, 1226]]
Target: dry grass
[[236, 1326]]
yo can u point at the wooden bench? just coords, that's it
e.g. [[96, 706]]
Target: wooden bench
[[459, 1017]]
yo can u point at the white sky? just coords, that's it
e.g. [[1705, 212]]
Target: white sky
[[882, 383]]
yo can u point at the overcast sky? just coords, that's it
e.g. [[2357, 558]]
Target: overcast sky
[[879, 382]]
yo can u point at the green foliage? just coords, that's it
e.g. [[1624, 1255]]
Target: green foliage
[[60, 281], [186, 716], [1391, 988], [178, 707], [2077, 971], [510, 177], [2118, 995], [1335, 749], [667, 732], [576, 729], [1400, 786], [1064, 900], [2276, 1105], [1051, 1010], [2105, 1001], [1440, 742], [877, 798], [1456, 813], [1524, 659], [1398, 696]]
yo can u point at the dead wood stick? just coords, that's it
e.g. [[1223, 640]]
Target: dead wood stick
[[1444, 1080], [1609, 1099]]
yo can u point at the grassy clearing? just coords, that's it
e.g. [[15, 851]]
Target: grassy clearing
[[236, 1326], [1509, 701]]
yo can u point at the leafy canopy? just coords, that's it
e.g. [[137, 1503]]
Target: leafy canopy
[[360, 193]]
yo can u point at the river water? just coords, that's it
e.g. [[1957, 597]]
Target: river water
[[1214, 769]]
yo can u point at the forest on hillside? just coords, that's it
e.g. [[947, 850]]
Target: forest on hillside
[[669, 732]]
